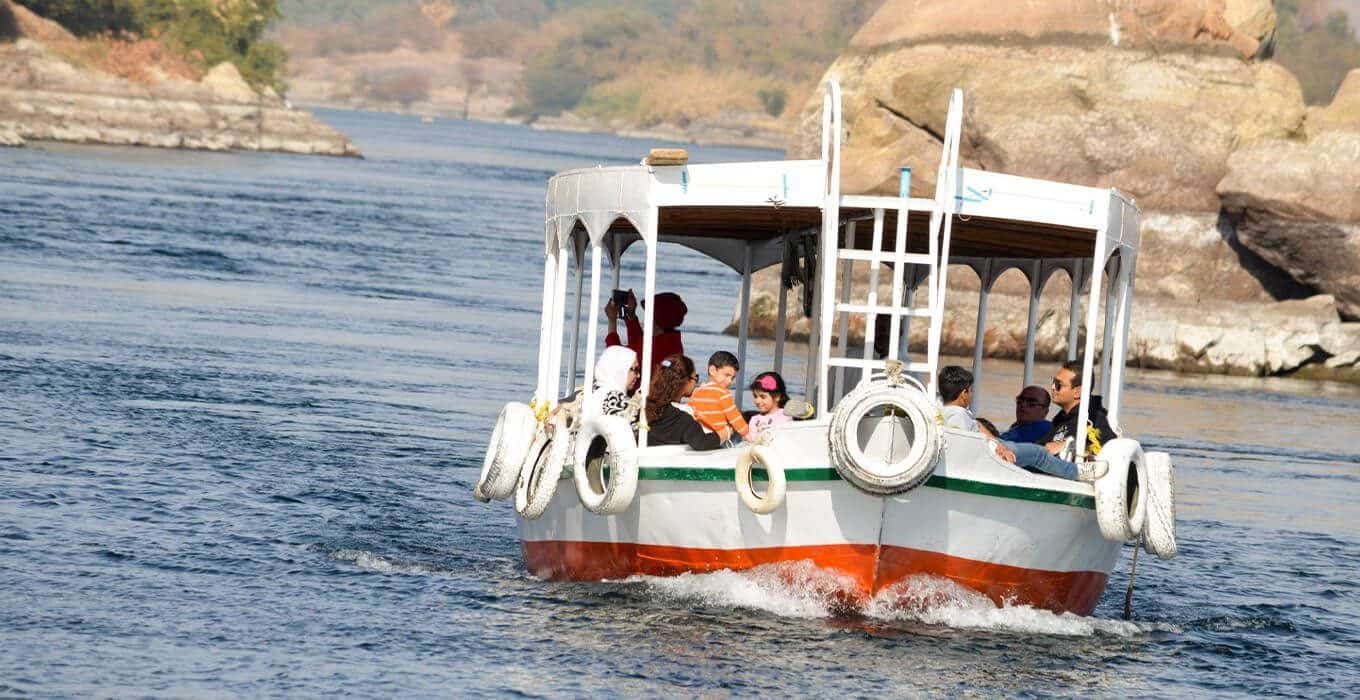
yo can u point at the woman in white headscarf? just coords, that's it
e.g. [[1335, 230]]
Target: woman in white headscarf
[[616, 377]]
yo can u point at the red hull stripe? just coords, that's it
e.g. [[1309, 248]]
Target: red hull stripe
[[1059, 591]]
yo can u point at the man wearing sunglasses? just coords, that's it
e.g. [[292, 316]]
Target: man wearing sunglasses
[[1031, 416], [1066, 391]]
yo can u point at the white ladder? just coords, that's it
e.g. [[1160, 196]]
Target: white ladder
[[901, 308]]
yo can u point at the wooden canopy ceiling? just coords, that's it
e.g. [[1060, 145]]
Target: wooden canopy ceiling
[[971, 237]]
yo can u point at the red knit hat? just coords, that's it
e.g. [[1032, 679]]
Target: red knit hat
[[670, 310]]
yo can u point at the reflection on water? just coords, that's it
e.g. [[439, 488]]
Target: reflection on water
[[243, 399]]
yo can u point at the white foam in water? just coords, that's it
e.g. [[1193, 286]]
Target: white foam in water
[[372, 562], [789, 590], [801, 590]]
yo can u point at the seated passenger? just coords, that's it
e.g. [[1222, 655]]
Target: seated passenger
[[670, 312], [1031, 416], [713, 404], [1067, 394], [957, 383], [674, 380], [616, 380], [956, 395], [770, 396]]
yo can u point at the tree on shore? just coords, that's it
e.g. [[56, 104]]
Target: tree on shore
[[207, 31]]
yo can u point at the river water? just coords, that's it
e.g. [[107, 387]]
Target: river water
[[244, 398]]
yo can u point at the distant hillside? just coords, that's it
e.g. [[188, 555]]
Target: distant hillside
[[603, 63]]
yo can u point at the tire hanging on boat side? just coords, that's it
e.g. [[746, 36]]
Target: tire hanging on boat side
[[1122, 493], [766, 457], [922, 432], [620, 454], [1159, 527], [510, 440], [542, 469]]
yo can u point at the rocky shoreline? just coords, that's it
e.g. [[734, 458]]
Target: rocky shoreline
[[46, 97]]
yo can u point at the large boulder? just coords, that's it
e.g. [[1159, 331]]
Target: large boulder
[[1296, 203], [1150, 96]]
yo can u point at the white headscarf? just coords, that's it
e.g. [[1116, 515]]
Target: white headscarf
[[611, 377]]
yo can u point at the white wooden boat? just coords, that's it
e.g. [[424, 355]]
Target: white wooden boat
[[875, 489]]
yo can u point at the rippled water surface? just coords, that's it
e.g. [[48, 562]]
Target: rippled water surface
[[243, 400]]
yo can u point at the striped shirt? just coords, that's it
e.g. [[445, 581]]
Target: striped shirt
[[716, 410]]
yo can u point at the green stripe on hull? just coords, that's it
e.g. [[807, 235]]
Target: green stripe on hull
[[981, 488]]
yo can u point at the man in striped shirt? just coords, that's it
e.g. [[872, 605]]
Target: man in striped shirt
[[713, 404]]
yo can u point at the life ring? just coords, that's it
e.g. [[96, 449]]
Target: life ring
[[618, 452], [1159, 529], [1121, 493], [510, 441], [542, 469], [915, 419], [774, 493]]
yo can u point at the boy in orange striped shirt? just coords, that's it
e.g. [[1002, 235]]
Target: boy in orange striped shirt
[[713, 404]]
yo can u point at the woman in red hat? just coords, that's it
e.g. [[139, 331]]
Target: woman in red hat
[[670, 312]]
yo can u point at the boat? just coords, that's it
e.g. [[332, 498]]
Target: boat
[[873, 491]]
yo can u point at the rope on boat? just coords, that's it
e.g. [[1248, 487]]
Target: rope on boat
[[1133, 571]]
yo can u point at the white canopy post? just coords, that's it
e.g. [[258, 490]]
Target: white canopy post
[[1107, 338], [780, 322], [576, 323], [1089, 354], [558, 319], [1035, 287], [545, 326], [744, 329], [983, 292], [648, 322], [1123, 308], [616, 255], [592, 331], [831, 214]]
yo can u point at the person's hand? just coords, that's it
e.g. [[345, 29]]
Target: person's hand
[[1005, 453], [631, 305], [1054, 447], [610, 311]]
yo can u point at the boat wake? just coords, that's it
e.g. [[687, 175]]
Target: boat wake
[[800, 590]]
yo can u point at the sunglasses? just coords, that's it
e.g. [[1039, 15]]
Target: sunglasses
[[1058, 386], [694, 376]]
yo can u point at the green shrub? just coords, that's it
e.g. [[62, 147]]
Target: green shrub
[[774, 100]]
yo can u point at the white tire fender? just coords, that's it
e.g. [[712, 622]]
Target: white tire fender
[[921, 433], [766, 457], [621, 455], [542, 469], [1121, 494], [1159, 529], [510, 441]]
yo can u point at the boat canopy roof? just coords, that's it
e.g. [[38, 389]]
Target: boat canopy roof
[[717, 209]]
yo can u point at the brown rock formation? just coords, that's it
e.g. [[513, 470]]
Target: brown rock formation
[[1150, 96], [1297, 204]]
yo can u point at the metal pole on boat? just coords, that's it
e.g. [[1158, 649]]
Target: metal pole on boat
[[558, 319], [580, 254], [648, 323], [1106, 358], [1035, 288], [1121, 339], [592, 331], [545, 323], [904, 341], [743, 331], [780, 320], [1089, 355], [986, 279], [616, 256], [1074, 316], [870, 317]]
